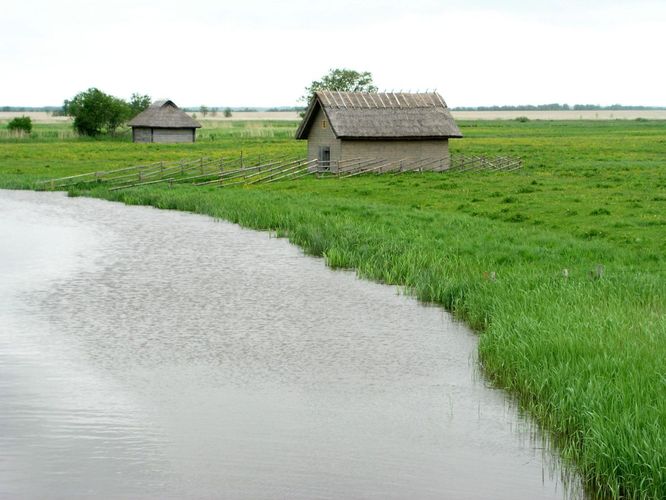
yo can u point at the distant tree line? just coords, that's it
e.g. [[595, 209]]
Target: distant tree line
[[286, 108], [58, 110], [29, 109], [556, 107], [205, 111], [213, 110]]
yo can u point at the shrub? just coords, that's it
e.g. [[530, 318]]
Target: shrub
[[95, 112], [522, 119], [23, 124]]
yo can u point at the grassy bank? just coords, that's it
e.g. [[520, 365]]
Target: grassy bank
[[584, 353]]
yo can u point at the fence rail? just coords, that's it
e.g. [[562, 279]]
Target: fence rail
[[466, 163], [452, 163], [135, 175], [250, 170]]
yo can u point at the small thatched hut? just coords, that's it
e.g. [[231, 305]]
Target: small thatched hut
[[341, 126], [163, 122]]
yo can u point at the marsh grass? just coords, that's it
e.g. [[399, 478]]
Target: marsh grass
[[583, 351], [259, 129], [40, 132]]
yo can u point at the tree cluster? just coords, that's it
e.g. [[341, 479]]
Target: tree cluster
[[344, 80], [95, 112]]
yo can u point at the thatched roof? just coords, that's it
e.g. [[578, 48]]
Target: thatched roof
[[163, 114], [372, 115]]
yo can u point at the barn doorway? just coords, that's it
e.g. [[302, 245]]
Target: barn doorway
[[324, 156]]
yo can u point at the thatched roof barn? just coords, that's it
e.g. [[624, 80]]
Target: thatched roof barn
[[163, 122], [341, 126]]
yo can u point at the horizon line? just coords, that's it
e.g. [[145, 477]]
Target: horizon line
[[483, 107]]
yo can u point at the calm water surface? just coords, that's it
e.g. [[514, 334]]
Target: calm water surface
[[157, 354]]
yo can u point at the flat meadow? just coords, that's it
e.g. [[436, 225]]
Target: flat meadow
[[559, 266]]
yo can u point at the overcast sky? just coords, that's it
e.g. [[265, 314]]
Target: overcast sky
[[263, 53]]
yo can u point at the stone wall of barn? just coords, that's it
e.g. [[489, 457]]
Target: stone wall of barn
[[321, 135]]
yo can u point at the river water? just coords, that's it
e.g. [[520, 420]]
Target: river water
[[159, 354]]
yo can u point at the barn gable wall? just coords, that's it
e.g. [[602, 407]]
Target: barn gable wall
[[322, 136]]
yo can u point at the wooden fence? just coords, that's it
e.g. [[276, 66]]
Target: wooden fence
[[453, 163], [466, 163], [244, 170], [137, 174]]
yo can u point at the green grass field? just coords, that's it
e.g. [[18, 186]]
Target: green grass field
[[585, 355]]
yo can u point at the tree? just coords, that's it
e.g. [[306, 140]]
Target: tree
[[203, 110], [227, 112], [23, 124], [138, 103], [344, 80], [119, 112], [95, 112]]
